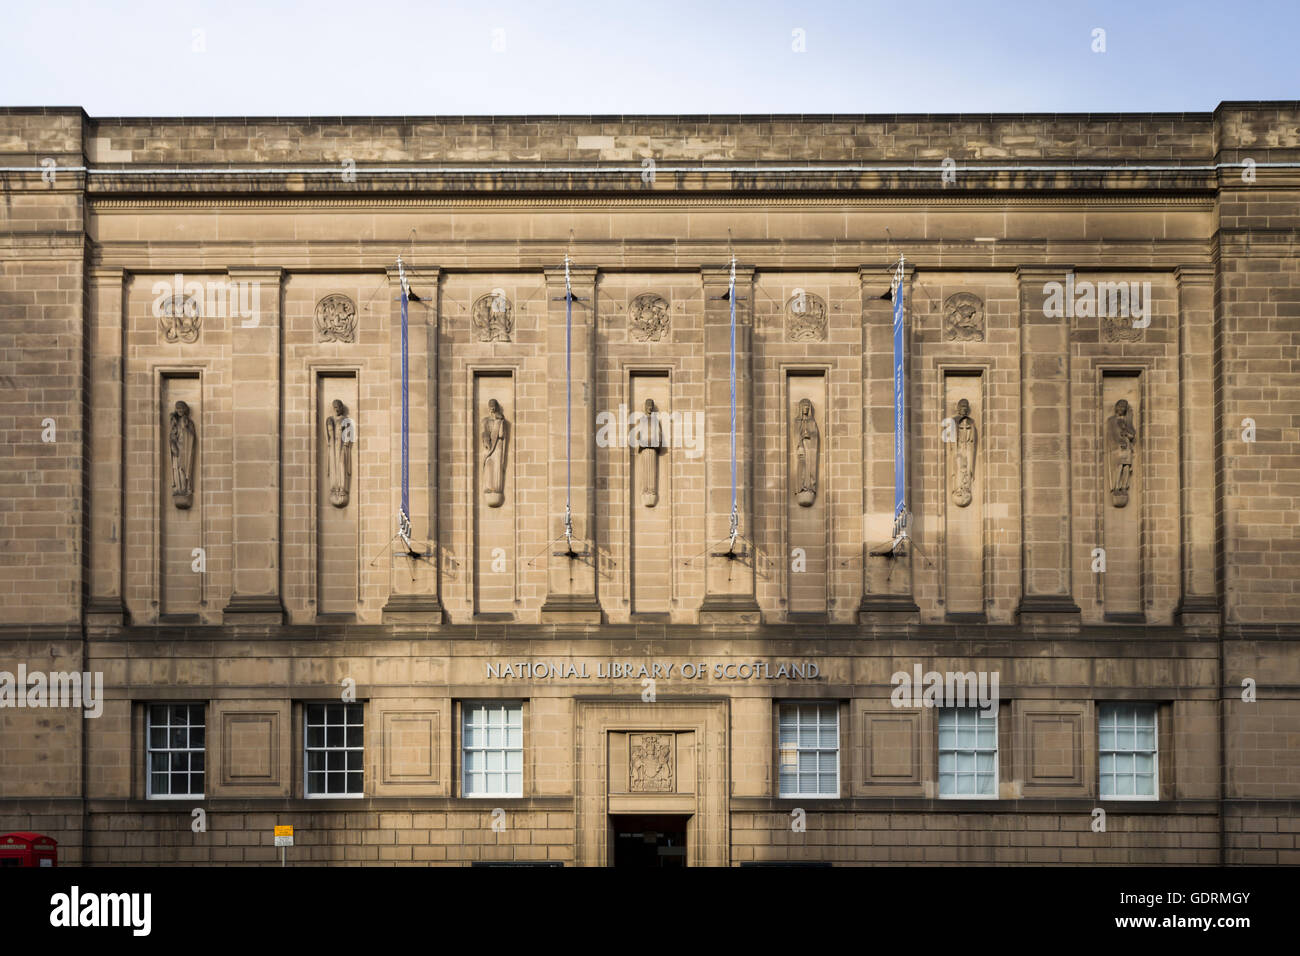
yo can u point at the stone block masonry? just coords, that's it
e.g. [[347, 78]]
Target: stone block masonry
[[1105, 492]]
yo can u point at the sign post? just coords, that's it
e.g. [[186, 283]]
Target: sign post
[[283, 838]]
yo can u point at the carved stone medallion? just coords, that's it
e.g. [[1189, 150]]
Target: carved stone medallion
[[336, 319], [805, 318], [493, 317], [647, 317], [1117, 329], [653, 763], [181, 318], [963, 317]]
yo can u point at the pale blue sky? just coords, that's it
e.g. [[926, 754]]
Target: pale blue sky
[[343, 57]]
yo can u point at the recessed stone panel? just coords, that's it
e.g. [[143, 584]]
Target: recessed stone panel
[[1053, 748], [893, 748], [410, 745]]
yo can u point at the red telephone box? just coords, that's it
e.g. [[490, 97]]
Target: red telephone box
[[28, 849]]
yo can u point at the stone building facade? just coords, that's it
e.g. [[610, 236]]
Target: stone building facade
[[201, 405]]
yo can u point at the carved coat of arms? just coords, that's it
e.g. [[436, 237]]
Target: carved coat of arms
[[805, 318], [652, 763]]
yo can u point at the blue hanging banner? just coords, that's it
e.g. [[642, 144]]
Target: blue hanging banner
[[404, 518], [900, 435], [731, 295], [568, 405]]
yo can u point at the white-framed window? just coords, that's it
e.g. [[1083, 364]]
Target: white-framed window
[[808, 743], [1126, 751], [175, 739], [334, 750], [968, 753], [492, 748]]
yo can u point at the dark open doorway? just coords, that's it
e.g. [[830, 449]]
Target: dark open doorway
[[648, 841]]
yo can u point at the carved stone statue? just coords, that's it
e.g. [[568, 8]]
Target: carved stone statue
[[648, 440], [1121, 439], [182, 442], [965, 442], [807, 453], [495, 431], [340, 436]]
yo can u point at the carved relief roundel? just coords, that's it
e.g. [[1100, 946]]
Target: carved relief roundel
[[647, 317], [181, 319], [963, 317], [336, 318], [1118, 329]]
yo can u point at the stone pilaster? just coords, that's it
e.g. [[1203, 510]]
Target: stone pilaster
[[1199, 603], [255, 493], [413, 581], [729, 595], [1047, 596], [571, 581], [105, 298]]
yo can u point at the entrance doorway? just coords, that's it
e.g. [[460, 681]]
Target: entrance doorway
[[649, 841]]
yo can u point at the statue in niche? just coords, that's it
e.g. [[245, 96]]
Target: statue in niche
[[495, 429], [182, 442], [1121, 439], [648, 440], [963, 454], [807, 449], [340, 436]]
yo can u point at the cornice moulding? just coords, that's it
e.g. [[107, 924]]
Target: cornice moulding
[[1204, 201]]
